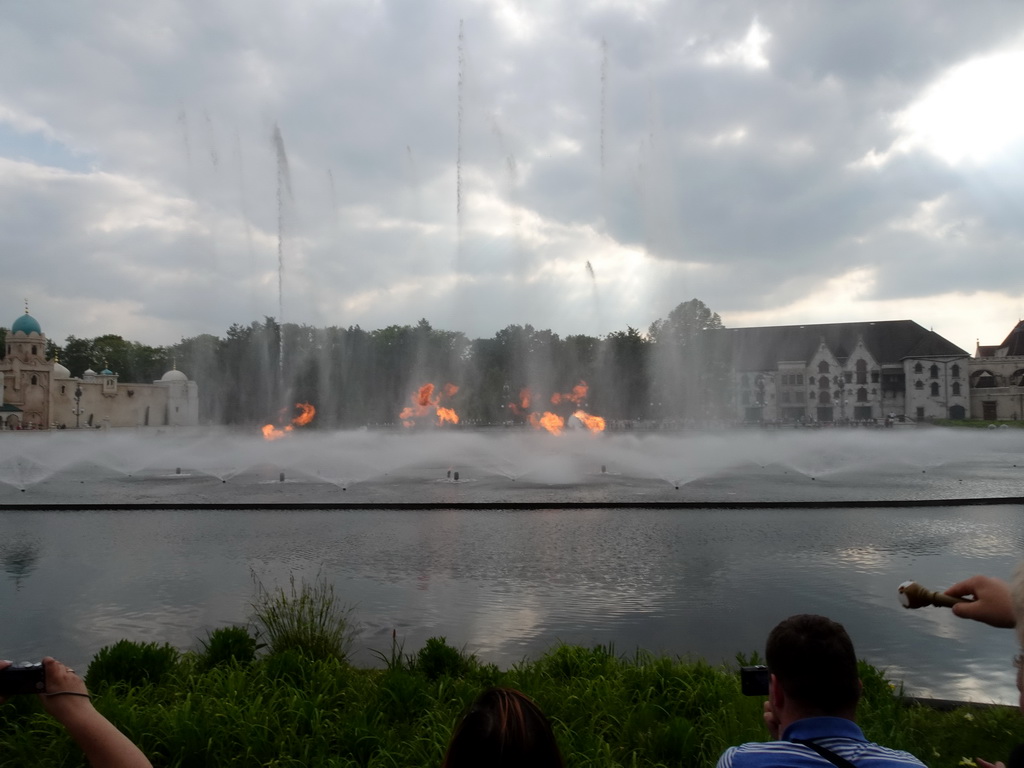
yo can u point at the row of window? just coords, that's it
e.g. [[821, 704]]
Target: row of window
[[861, 393], [933, 371], [934, 387], [797, 379]]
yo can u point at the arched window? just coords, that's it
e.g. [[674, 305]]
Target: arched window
[[1017, 380], [33, 349], [955, 371], [822, 367], [934, 371], [983, 379], [862, 395], [956, 388], [862, 372], [824, 398], [811, 395], [33, 380], [918, 368], [935, 389], [823, 382], [919, 385]]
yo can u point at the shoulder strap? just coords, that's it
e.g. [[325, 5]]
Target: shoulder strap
[[828, 754]]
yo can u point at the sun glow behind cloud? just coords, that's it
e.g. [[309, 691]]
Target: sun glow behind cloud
[[973, 113]]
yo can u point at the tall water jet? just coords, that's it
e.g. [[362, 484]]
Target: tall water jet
[[284, 193], [458, 152]]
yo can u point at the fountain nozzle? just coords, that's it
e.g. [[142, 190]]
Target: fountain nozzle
[[913, 595]]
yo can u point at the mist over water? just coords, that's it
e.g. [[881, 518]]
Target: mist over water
[[510, 464]]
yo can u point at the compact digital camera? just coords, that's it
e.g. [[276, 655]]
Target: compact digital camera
[[23, 677], [754, 680]]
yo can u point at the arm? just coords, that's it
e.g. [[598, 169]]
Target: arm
[[992, 603], [66, 699]]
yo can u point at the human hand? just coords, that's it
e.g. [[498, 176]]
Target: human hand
[[771, 720], [986, 764], [66, 696], [67, 700], [992, 603]]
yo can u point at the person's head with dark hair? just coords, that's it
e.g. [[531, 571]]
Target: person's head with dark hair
[[811, 658], [504, 729]]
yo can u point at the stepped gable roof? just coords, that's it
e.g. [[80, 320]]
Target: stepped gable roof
[[888, 341]]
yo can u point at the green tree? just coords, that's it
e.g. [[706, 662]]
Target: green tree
[[681, 387]]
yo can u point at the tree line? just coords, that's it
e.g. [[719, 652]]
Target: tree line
[[356, 377]]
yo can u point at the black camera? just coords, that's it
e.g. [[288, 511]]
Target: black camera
[[754, 680], [23, 677]]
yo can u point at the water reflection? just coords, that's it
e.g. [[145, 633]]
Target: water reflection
[[508, 584], [19, 559]]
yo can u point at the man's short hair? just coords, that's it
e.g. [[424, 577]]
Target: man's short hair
[[813, 660]]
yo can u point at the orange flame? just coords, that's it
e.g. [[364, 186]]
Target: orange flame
[[552, 422], [578, 395], [270, 432], [426, 403], [447, 414], [523, 405], [593, 423]]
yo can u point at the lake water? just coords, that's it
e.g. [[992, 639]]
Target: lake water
[[508, 584]]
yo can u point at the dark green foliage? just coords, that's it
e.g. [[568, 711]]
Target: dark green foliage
[[226, 645], [308, 619], [438, 659], [131, 664], [287, 709]]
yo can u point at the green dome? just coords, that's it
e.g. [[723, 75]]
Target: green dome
[[26, 324]]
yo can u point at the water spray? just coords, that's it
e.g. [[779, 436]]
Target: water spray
[[913, 595], [458, 149]]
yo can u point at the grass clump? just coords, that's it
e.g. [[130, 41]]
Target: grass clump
[[437, 659], [227, 645], [308, 619], [131, 664]]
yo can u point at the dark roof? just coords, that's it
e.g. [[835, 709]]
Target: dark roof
[[1014, 343], [8, 408], [888, 341]]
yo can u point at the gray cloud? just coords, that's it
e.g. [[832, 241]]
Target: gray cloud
[[723, 178]]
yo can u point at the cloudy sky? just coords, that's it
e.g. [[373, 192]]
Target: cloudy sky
[[170, 168]]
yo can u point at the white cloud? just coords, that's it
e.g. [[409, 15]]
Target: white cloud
[[748, 52], [723, 165]]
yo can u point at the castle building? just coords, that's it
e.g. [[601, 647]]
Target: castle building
[[42, 394], [997, 379], [841, 372]]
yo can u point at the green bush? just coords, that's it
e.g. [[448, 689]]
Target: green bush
[[226, 645], [131, 664], [309, 619], [437, 659]]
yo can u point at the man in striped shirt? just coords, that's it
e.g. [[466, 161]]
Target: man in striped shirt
[[811, 709]]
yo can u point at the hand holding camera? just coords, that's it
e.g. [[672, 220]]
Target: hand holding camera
[[21, 678]]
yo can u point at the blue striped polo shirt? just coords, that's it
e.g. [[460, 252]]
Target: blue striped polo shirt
[[842, 736]]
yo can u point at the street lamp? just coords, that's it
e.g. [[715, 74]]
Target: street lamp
[[78, 405]]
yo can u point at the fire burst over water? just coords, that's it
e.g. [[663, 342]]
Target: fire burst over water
[[425, 403], [551, 421], [270, 432]]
